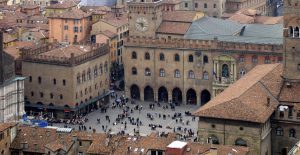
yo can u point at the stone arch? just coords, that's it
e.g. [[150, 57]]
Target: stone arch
[[205, 96], [213, 139], [191, 96], [240, 142], [148, 94], [135, 92], [162, 94], [177, 95]]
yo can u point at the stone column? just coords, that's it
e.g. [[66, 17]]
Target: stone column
[[218, 70], [141, 94], [184, 96], [169, 95], [155, 93], [198, 98]]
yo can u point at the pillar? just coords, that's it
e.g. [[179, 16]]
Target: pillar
[[184, 96], [141, 94], [198, 98], [170, 97], [218, 70], [155, 91]]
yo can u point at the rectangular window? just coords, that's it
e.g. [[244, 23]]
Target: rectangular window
[[66, 20], [66, 27], [205, 5], [76, 21], [186, 5], [75, 29], [196, 5], [80, 28]]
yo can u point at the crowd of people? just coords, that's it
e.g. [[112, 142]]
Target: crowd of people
[[131, 118]]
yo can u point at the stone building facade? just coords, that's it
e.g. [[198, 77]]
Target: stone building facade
[[11, 88], [66, 81], [270, 93], [70, 27], [187, 69]]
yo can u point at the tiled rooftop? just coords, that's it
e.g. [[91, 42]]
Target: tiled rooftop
[[246, 100]]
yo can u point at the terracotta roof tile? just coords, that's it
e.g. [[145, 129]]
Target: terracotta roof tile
[[116, 21], [29, 6], [268, 20], [179, 16], [4, 126], [241, 18], [246, 99], [63, 5], [65, 52], [196, 148], [179, 28], [14, 50], [8, 38], [73, 14], [35, 137]]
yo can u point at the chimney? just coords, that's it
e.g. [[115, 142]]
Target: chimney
[[1, 58]]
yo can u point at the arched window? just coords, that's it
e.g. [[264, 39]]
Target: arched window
[[64, 82], [101, 69], [205, 59], [191, 74], [213, 139], [83, 76], [39, 80], [296, 32], [242, 58], [133, 71], [205, 75], [147, 56], [106, 67], [176, 57], [78, 78], [279, 131], [240, 142], [292, 133], [161, 57], [191, 58], [254, 59], [95, 71], [147, 72], [54, 81], [161, 72], [177, 73], [225, 71], [133, 55], [89, 76], [267, 60], [291, 31], [242, 72]]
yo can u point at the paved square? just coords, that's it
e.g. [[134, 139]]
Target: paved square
[[143, 116]]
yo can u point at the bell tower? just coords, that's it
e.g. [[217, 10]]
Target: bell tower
[[291, 42], [145, 16]]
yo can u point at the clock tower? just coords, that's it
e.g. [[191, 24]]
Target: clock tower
[[291, 40], [145, 16]]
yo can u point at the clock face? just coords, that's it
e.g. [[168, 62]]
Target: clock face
[[141, 24]]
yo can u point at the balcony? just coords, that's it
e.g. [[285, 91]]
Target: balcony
[[223, 81]]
